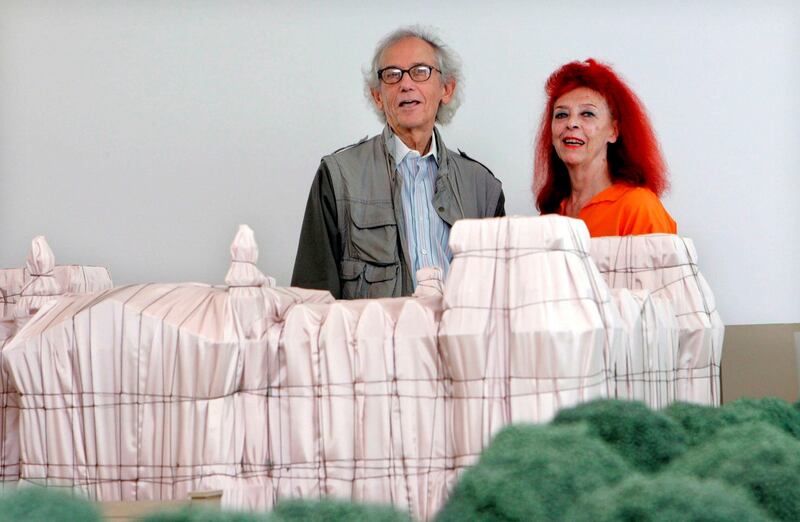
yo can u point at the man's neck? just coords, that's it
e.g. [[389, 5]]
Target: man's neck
[[418, 140]]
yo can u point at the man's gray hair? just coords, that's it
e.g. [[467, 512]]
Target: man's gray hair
[[448, 63]]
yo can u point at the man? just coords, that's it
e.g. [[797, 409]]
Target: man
[[382, 209]]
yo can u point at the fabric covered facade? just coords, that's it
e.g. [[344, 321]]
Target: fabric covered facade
[[151, 391]]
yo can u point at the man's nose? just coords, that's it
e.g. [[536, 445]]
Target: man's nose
[[406, 82]]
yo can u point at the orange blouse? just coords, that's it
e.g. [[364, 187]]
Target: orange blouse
[[624, 210]]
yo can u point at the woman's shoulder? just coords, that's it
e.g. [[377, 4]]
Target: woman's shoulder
[[643, 213], [633, 195]]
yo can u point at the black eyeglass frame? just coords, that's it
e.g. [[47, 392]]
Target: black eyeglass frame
[[403, 72]]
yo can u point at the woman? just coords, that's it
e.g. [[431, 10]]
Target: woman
[[597, 157]]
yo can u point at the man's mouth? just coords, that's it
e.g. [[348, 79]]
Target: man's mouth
[[409, 103]]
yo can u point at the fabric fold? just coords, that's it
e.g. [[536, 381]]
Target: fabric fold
[[666, 265]]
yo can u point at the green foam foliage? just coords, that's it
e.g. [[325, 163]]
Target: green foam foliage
[[645, 438], [39, 504], [533, 473], [698, 422], [756, 456], [194, 514], [666, 498], [326, 510], [772, 410]]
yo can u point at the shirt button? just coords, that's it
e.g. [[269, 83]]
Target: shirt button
[[441, 209], [424, 252]]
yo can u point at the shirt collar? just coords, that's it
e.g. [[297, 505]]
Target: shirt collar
[[401, 150]]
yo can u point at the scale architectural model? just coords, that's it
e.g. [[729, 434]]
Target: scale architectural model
[[151, 391]]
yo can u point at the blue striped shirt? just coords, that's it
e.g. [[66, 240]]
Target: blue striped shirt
[[426, 233]]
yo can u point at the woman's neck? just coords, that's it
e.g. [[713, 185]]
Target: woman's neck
[[586, 181]]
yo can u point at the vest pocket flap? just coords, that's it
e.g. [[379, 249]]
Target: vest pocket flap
[[370, 216], [351, 269], [376, 274]]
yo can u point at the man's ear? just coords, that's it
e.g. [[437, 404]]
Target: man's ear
[[449, 90], [376, 98]]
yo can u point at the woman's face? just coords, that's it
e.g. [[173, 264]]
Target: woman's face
[[582, 127]]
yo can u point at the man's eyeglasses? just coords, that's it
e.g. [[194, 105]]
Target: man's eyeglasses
[[418, 73]]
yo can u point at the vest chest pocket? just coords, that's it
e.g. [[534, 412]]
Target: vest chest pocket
[[365, 281], [373, 234]]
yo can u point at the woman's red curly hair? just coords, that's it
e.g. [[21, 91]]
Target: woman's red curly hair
[[634, 159]]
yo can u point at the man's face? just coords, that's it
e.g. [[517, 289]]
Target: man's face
[[410, 105]]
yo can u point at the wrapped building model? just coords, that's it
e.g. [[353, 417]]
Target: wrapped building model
[[152, 391]]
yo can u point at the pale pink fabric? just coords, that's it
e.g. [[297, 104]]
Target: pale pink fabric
[[666, 265], [263, 400], [245, 283], [72, 279], [152, 391], [82, 279], [23, 292], [645, 368], [9, 417], [354, 408], [41, 279], [429, 282], [528, 326], [244, 255], [141, 379], [40, 285], [423, 395], [11, 281]]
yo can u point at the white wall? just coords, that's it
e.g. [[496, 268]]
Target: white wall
[[138, 134]]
